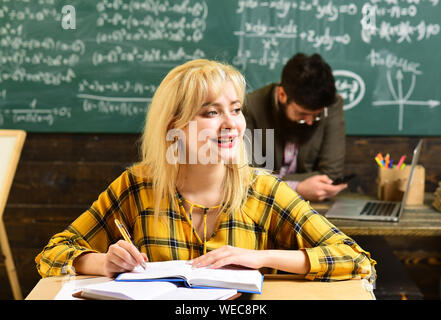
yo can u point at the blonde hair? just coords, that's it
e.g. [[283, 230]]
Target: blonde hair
[[175, 103]]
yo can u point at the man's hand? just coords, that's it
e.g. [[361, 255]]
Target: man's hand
[[319, 188]]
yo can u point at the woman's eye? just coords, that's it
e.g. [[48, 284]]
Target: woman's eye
[[211, 113], [237, 110]]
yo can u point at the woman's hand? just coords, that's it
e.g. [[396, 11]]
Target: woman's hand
[[294, 261], [226, 255], [122, 257]]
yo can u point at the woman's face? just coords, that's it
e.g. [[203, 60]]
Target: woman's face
[[216, 132]]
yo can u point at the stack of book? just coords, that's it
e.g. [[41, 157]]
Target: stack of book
[[437, 201]]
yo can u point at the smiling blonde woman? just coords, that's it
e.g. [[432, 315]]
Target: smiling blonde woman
[[215, 212]]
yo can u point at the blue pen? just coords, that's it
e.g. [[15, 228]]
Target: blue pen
[[390, 163]]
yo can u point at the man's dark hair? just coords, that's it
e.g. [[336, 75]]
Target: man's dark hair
[[308, 81]]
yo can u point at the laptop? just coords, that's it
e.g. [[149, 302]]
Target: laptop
[[374, 210]]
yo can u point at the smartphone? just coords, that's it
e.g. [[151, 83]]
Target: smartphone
[[343, 179]]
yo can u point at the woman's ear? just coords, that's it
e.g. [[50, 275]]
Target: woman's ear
[[172, 123]]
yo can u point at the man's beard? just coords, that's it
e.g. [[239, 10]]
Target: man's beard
[[293, 131]]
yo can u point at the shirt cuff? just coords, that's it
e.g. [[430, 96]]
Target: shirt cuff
[[314, 263], [67, 268]]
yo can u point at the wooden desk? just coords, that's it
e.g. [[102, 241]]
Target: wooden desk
[[421, 220], [393, 281], [292, 287], [275, 287]]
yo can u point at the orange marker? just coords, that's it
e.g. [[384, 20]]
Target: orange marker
[[380, 156]]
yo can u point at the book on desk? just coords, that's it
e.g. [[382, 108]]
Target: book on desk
[[152, 290], [176, 279], [276, 287], [244, 280]]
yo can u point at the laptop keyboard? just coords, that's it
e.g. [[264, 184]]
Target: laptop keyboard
[[378, 209]]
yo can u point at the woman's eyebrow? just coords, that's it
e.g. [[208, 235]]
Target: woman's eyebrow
[[215, 104], [207, 104]]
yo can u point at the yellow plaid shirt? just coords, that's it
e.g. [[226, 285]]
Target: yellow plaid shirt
[[273, 217]]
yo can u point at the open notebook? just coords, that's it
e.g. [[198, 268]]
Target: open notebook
[[244, 280], [153, 290]]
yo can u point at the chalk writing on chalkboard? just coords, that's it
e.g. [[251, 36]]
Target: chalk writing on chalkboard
[[402, 98], [386, 31], [96, 66], [350, 86], [33, 115]]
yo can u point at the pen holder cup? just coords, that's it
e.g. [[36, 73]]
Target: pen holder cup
[[392, 184]]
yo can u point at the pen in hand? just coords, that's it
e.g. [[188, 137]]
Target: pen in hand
[[123, 230]]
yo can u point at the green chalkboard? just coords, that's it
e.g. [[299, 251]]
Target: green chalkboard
[[93, 66]]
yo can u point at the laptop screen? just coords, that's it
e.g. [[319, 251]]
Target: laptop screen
[[415, 157]]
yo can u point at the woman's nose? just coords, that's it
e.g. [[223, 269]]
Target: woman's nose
[[228, 122]]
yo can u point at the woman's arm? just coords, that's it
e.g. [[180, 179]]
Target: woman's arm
[[83, 245], [294, 261], [306, 242]]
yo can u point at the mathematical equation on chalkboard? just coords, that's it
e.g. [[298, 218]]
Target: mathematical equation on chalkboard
[[114, 58], [269, 35]]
